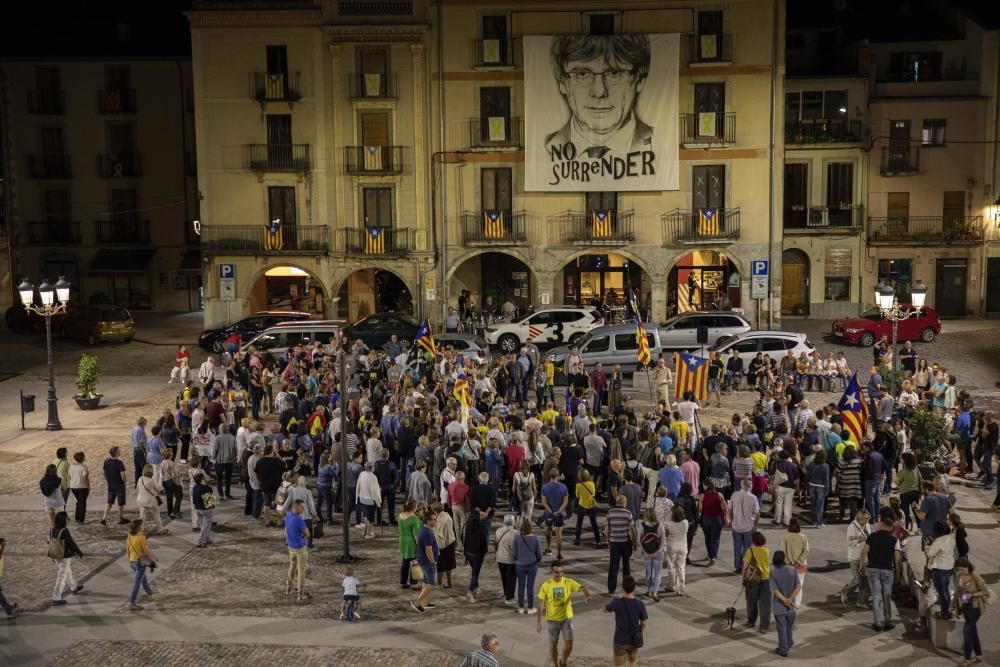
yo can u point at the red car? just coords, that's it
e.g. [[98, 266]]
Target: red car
[[871, 326]]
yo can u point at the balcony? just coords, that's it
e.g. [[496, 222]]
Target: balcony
[[116, 101], [119, 166], [900, 160], [496, 53], [47, 102], [708, 128], [53, 233], [823, 131], [49, 166], [276, 157], [130, 232], [596, 228], [275, 87], [494, 228], [372, 86], [257, 240], [701, 225], [496, 133], [378, 241], [824, 219], [373, 160], [711, 49], [923, 230]]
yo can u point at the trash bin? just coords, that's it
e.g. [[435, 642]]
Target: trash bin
[[27, 402]]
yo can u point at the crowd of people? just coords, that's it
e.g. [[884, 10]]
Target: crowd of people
[[503, 472]]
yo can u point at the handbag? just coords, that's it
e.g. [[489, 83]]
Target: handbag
[[159, 500], [317, 530], [210, 500], [416, 572], [57, 546]]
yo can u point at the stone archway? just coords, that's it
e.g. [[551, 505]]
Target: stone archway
[[373, 289], [702, 279], [500, 275], [607, 276], [286, 286]]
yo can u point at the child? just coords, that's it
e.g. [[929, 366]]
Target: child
[[898, 529], [350, 584]]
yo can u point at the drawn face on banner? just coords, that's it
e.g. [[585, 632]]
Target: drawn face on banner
[[600, 94]]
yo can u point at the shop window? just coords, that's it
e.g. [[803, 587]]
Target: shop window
[[837, 289], [837, 285], [933, 132], [898, 273]]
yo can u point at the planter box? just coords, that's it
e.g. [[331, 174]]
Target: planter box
[[88, 403]]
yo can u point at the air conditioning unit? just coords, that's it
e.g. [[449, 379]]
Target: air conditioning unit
[[817, 218]]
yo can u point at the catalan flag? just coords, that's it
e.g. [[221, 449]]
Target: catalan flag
[[374, 241], [493, 224], [854, 410], [691, 374], [272, 235], [601, 224], [642, 342], [708, 221], [462, 392], [425, 338]]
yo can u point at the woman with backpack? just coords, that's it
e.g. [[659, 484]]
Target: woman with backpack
[[523, 489], [62, 549], [676, 549], [652, 542], [586, 501], [475, 544]]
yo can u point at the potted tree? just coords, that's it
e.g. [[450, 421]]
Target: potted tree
[[88, 373], [928, 433]]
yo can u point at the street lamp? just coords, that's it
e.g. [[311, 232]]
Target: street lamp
[[55, 299], [885, 299]]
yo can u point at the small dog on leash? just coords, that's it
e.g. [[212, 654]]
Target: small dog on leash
[[731, 616]]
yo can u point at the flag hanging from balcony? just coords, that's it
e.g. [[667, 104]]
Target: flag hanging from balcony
[[274, 86], [706, 124], [491, 51], [373, 158], [602, 224], [493, 224], [497, 128], [709, 46], [642, 342], [425, 338], [373, 85], [374, 241], [272, 236], [708, 221]]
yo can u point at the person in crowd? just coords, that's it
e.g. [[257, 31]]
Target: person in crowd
[[785, 588], [141, 559], [62, 550]]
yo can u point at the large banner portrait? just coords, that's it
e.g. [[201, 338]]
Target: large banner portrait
[[601, 112]]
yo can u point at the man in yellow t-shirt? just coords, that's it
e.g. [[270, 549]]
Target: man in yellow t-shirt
[[681, 428], [548, 416], [556, 601]]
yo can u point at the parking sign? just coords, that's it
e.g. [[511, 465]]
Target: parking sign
[[227, 282], [227, 271], [759, 267]]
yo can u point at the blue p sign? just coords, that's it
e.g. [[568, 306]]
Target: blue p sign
[[759, 267], [227, 270]]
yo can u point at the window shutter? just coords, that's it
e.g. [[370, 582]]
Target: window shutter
[[838, 263]]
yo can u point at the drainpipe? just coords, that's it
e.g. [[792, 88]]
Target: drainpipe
[[443, 226], [770, 170], [7, 175]]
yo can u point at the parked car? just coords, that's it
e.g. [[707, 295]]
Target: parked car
[[610, 344], [872, 325], [19, 318], [469, 346], [681, 331], [550, 326], [98, 324], [277, 340], [213, 340], [775, 344], [375, 330]]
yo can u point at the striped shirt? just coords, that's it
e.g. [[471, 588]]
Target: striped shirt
[[481, 658], [353, 442], [619, 520]]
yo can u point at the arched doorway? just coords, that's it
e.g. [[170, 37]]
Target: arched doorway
[[794, 282], [493, 276], [373, 290], [702, 280], [287, 288], [604, 281]]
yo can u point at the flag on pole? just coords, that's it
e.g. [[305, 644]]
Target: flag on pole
[[272, 235], [493, 224], [854, 410], [425, 338], [601, 221], [462, 391], [642, 342], [691, 374], [708, 221], [374, 241]]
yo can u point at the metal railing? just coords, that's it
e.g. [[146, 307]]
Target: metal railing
[[900, 160], [122, 231], [496, 52], [709, 127], [257, 239], [503, 132], [48, 102], [275, 86], [49, 166], [824, 218], [276, 157], [824, 131], [711, 48], [374, 160], [926, 229], [116, 101], [119, 166], [373, 86], [494, 228], [54, 233], [589, 228], [378, 241], [701, 225]]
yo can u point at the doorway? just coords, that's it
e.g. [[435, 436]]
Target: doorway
[[992, 285], [794, 282], [952, 275]]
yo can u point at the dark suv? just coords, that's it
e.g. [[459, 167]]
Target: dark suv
[[214, 340]]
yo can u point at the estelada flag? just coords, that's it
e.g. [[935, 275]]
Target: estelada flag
[[493, 224], [691, 374], [641, 341], [425, 338], [601, 224], [462, 392], [708, 221], [854, 410], [272, 236], [374, 241]]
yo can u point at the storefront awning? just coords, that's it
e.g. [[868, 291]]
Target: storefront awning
[[114, 261], [191, 261]]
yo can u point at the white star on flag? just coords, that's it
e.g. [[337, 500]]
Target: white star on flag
[[850, 400]]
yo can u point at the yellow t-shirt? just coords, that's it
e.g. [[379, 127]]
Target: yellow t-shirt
[[759, 461], [558, 598], [761, 557], [585, 494], [549, 417], [682, 429], [136, 545]]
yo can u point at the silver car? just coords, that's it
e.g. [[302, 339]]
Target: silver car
[[610, 345], [681, 331], [774, 344], [469, 346]]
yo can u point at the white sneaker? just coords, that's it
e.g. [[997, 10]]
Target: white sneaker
[[521, 610], [532, 610], [359, 526], [357, 615], [183, 461]]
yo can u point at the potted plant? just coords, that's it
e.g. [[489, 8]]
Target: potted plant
[[928, 432], [88, 374]]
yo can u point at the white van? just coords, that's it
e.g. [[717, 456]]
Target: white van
[[277, 340]]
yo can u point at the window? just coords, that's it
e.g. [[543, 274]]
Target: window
[[602, 201], [495, 46], [281, 204], [375, 7], [124, 205], [748, 346], [277, 59], [933, 133], [839, 193], [839, 272], [915, 66], [815, 104], [837, 289], [542, 319], [953, 210], [709, 187], [602, 24], [898, 206], [377, 206], [626, 342], [117, 78], [48, 90], [898, 273], [796, 194], [374, 60], [709, 38], [121, 146], [709, 110], [599, 344], [497, 191], [772, 345], [56, 205], [494, 114], [375, 128]]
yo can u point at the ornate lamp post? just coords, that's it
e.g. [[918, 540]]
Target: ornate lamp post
[[885, 299], [55, 299]]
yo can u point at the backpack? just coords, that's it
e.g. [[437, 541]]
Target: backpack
[[891, 445], [382, 473], [650, 540], [524, 489]]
